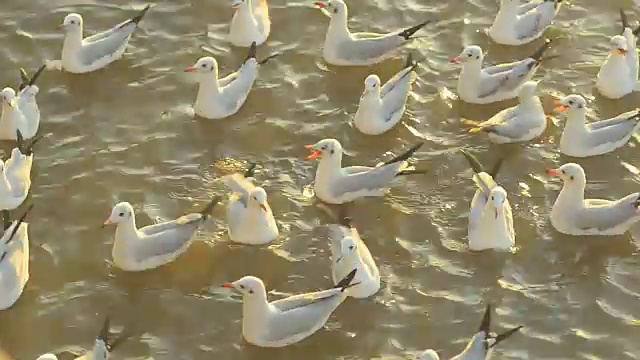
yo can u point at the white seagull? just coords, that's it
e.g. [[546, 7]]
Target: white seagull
[[250, 23], [491, 218], [618, 75], [286, 321], [103, 346], [153, 245], [580, 139], [337, 185], [14, 259], [519, 24], [478, 85], [222, 97], [481, 345], [342, 47], [15, 181], [82, 55], [349, 252], [249, 216], [572, 214], [523, 122], [12, 118], [27, 102], [18, 166], [382, 107]]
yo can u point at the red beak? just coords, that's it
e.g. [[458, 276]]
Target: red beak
[[622, 51], [190, 69], [553, 172], [227, 285], [263, 207], [314, 153], [319, 4], [456, 60]]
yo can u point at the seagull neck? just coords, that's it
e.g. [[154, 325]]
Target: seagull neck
[[338, 27], [245, 12], [208, 89], [254, 315], [572, 193], [471, 71], [576, 120], [126, 228], [329, 165], [72, 42]]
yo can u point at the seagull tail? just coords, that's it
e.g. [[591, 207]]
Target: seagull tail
[[406, 155], [136, 19], [407, 33], [537, 56], [207, 209], [345, 283]]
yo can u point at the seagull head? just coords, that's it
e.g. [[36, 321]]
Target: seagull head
[[528, 90], [332, 7], [238, 3], [248, 286], [497, 197], [571, 103], [8, 97], [372, 84], [429, 355], [324, 147], [259, 196], [31, 90], [618, 45], [348, 246], [570, 173], [204, 65], [72, 22], [120, 211], [471, 53]]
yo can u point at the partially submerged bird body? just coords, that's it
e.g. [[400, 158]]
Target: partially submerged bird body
[[12, 118], [153, 245], [519, 24], [382, 107], [27, 102], [250, 23], [14, 260]]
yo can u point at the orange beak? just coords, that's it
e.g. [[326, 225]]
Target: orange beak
[[263, 207], [456, 60], [622, 51], [106, 222], [553, 172], [559, 107], [319, 4], [190, 69], [227, 285], [314, 153]]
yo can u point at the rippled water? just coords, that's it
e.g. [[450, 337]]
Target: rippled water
[[122, 134]]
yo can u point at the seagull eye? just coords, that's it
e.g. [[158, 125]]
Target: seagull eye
[[324, 147], [335, 11], [350, 247], [204, 66], [571, 177], [241, 286], [570, 102], [121, 214], [493, 198], [250, 291], [562, 171], [469, 55]]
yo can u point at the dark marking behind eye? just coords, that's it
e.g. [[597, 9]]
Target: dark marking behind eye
[[335, 11], [250, 291], [571, 177], [121, 214]]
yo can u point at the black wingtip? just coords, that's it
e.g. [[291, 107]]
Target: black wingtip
[[207, 209], [115, 343], [496, 168], [28, 150], [473, 161], [406, 155], [19, 222], [251, 170], [19, 140], [407, 33], [6, 219], [252, 52], [37, 74], [266, 60], [345, 283], [104, 330], [412, 172], [136, 19], [485, 325], [537, 56], [24, 79], [505, 335]]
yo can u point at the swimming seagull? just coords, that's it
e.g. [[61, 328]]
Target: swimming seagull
[[14, 259], [481, 345], [491, 218], [342, 47], [580, 139], [102, 347], [222, 97], [286, 321], [249, 216], [523, 122], [250, 22], [12, 118], [18, 166], [349, 252], [153, 245], [572, 214], [519, 24], [618, 75], [93, 52], [337, 185], [15, 182], [381, 106], [478, 85], [27, 101]]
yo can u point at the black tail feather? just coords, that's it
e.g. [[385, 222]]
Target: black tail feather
[[207, 209], [411, 172], [28, 150], [485, 325], [6, 219], [407, 33], [473, 161], [346, 282], [136, 19], [104, 330], [496, 167], [537, 56], [265, 60], [115, 343], [505, 335], [251, 171], [19, 222], [405, 156], [252, 52], [37, 74]]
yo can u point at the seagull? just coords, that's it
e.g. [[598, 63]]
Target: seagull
[[27, 101], [349, 252], [344, 48], [580, 139], [18, 166], [382, 107], [12, 118], [478, 85], [14, 185], [337, 185], [523, 122], [103, 346], [519, 24], [153, 245], [572, 214], [249, 215], [81, 56], [250, 23], [286, 321], [491, 218], [14, 259], [222, 97], [481, 345], [618, 75]]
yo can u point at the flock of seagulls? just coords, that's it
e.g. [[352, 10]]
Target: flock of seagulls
[[249, 217]]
